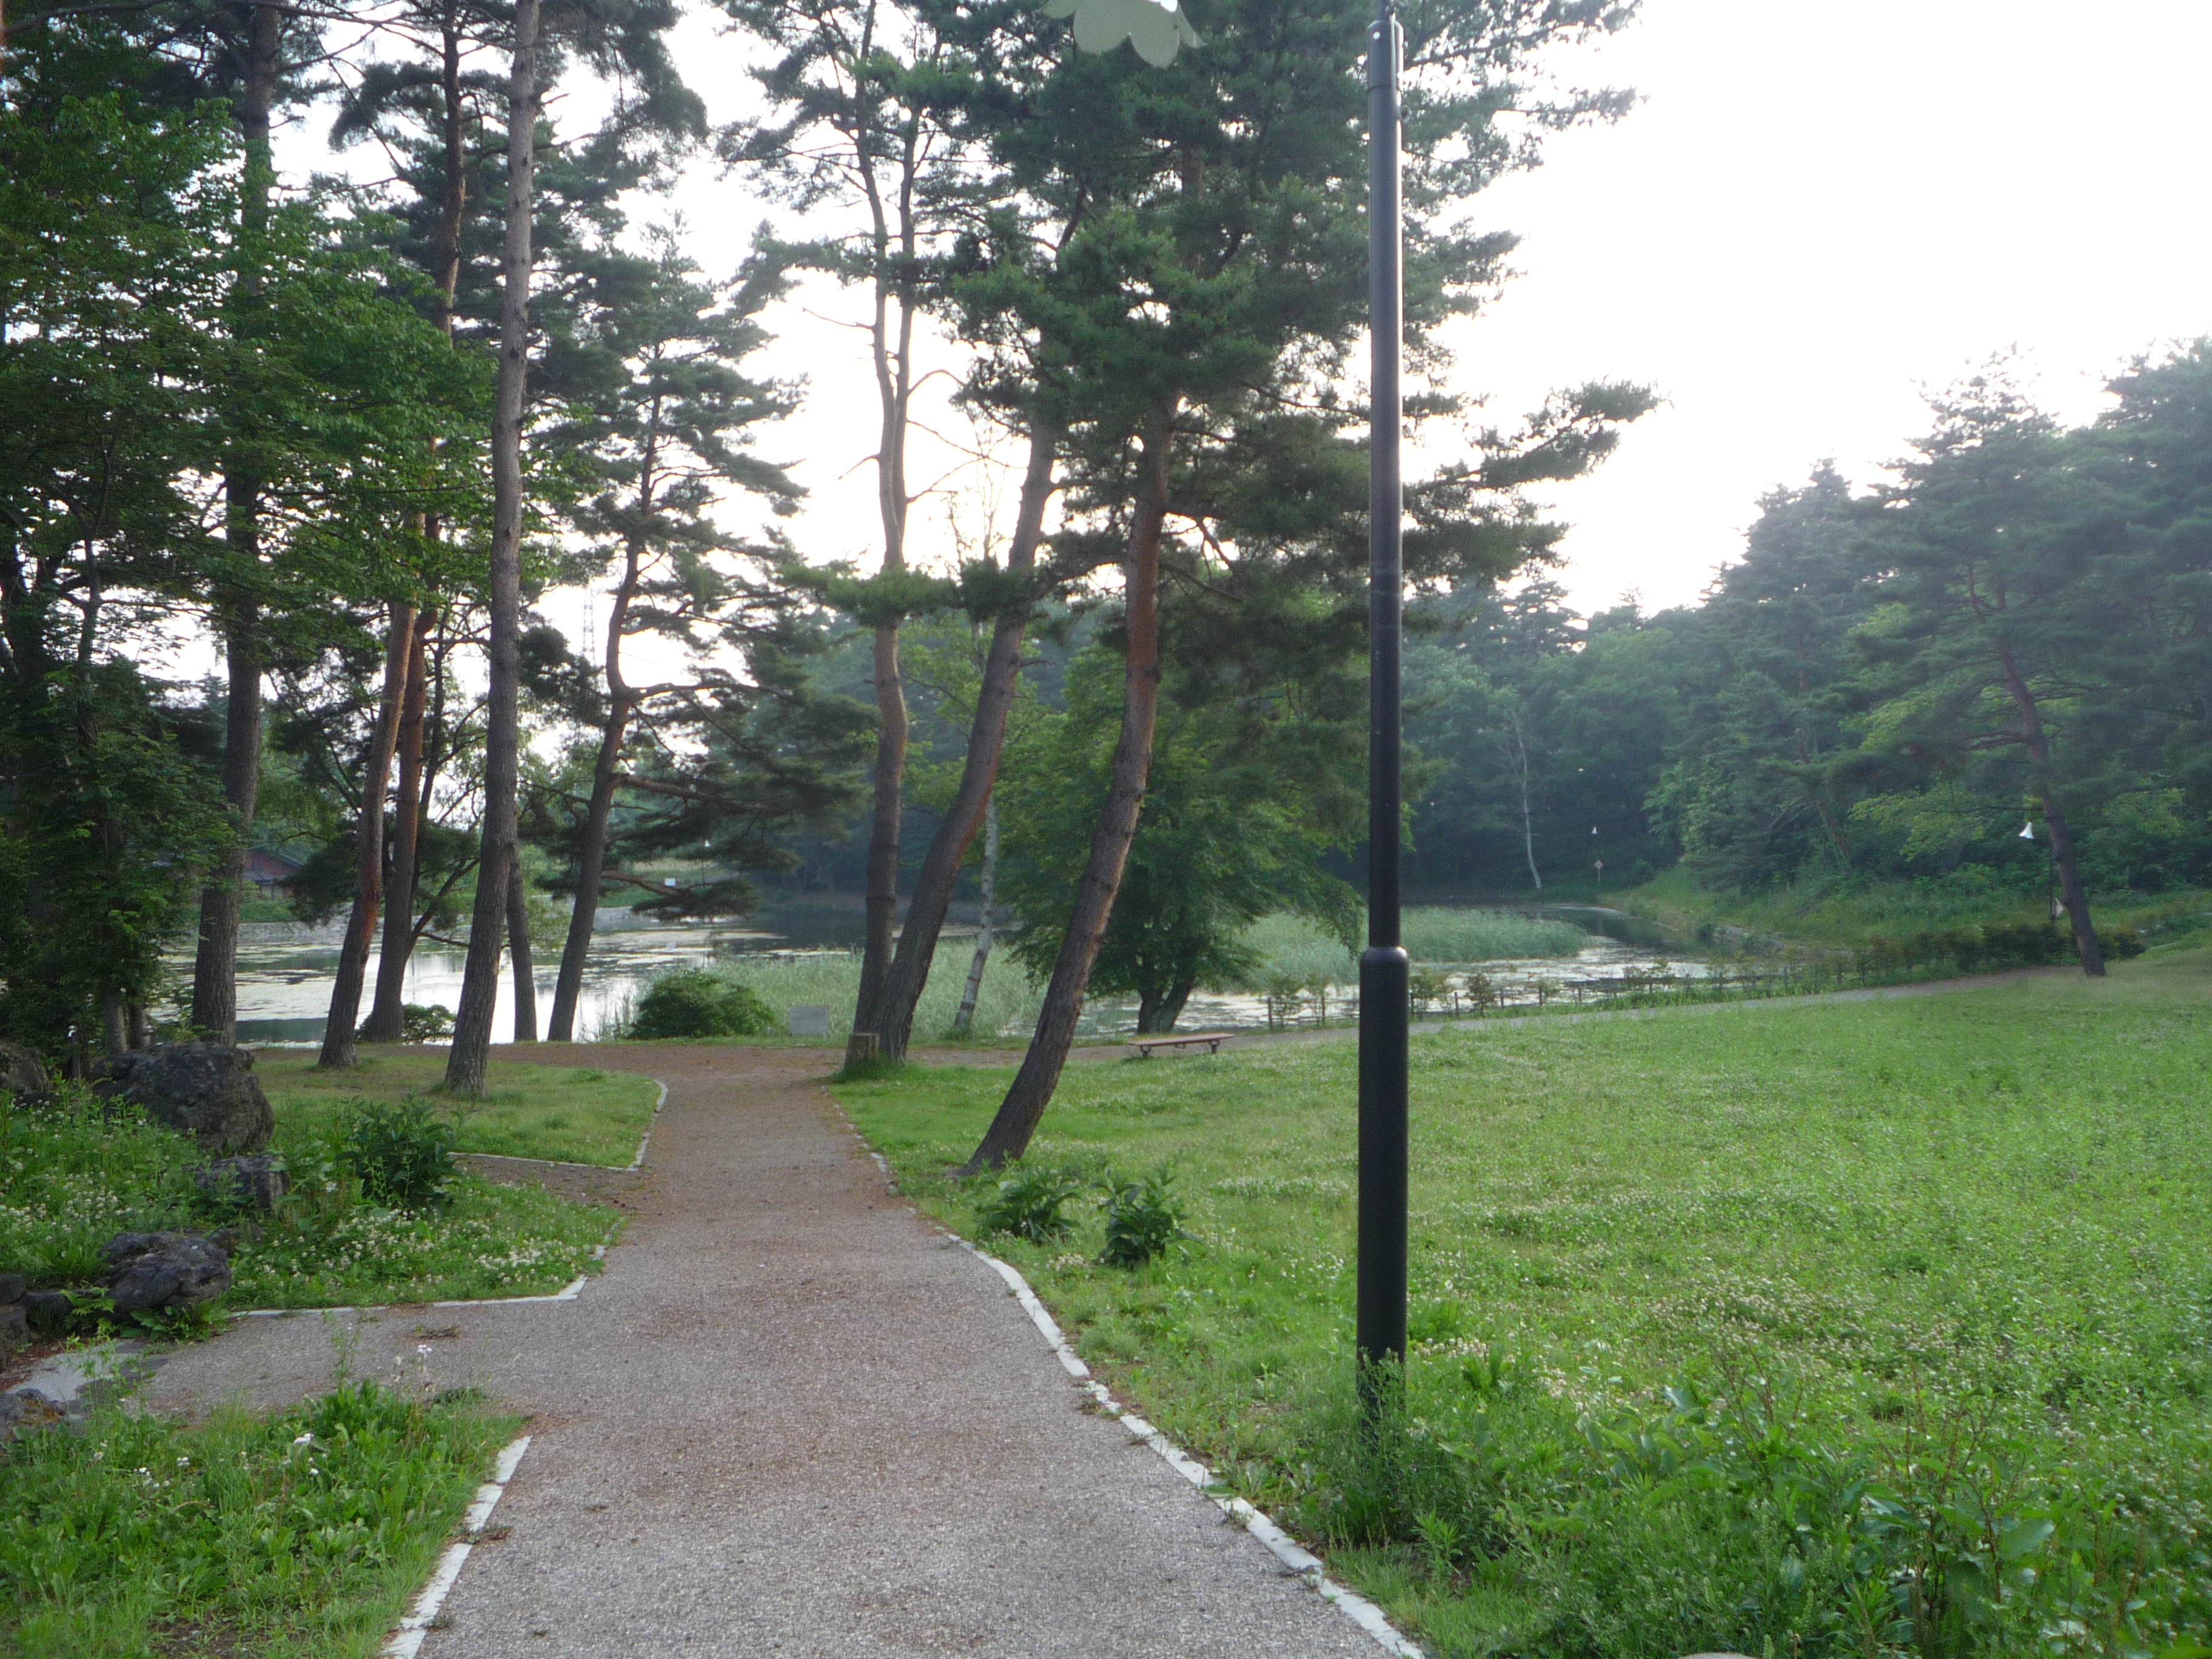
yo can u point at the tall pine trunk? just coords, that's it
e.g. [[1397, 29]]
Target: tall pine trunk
[[986, 736], [338, 1043], [215, 961], [1008, 1137], [894, 367], [885, 829], [964, 1016], [591, 856], [387, 1014], [519, 953], [2037, 741], [464, 1064]]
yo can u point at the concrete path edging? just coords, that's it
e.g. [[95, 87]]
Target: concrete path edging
[[407, 1640], [1302, 1562]]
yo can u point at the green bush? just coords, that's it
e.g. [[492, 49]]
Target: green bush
[[421, 1023], [697, 1002], [1142, 1220], [401, 1152], [1027, 1205]]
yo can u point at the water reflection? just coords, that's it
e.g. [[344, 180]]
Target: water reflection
[[285, 972]]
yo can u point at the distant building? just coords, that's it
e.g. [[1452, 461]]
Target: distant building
[[271, 872]]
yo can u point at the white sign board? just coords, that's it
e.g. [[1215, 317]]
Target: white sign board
[[810, 1020]]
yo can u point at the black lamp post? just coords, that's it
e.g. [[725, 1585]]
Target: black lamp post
[[1385, 975]]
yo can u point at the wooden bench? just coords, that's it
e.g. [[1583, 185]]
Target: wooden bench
[[1213, 1040]]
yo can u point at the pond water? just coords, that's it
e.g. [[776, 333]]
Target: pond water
[[285, 972]]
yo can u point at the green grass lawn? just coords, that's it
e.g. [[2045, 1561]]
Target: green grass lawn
[[574, 1114], [300, 1535], [1865, 1328]]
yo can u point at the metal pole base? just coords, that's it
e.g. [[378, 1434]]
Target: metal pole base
[[1385, 1010]]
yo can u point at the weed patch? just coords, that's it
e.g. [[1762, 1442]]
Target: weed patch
[[299, 1534]]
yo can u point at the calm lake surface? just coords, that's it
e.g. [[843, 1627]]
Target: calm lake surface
[[285, 970]]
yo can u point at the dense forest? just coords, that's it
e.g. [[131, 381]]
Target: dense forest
[[1992, 672]]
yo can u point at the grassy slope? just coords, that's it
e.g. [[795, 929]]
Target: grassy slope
[[1847, 919], [578, 1115], [1981, 1214]]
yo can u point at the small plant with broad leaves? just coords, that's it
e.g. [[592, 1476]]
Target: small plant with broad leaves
[[402, 1153], [1142, 1220], [1029, 1204]]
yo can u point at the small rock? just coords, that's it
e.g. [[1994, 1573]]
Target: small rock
[[12, 1287], [21, 1072], [25, 1409], [164, 1270], [255, 1182], [14, 1327], [204, 1089], [47, 1309]]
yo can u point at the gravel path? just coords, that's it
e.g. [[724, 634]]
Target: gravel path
[[791, 1418]]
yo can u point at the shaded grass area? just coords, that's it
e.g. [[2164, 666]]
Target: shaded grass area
[[1844, 1329], [577, 1114], [300, 1535]]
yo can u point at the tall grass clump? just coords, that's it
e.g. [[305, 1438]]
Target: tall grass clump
[[1434, 933], [1296, 950]]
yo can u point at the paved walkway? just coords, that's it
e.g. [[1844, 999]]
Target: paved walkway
[[791, 1418]]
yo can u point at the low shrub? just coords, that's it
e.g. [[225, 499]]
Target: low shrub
[[1142, 1220], [1028, 1205], [1985, 950], [421, 1023], [401, 1152], [697, 1002]]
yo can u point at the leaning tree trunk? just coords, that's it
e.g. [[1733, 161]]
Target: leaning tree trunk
[[964, 1016], [464, 1064], [517, 950], [986, 736], [1008, 1137], [2038, 742], [387, 1015], [590, 866], [215, 963], [621, 704], [339, 1049]]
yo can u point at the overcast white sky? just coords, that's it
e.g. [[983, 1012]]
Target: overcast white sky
[[1820, 208], [1816, 209]]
